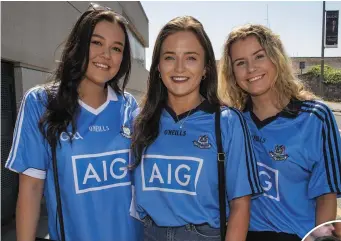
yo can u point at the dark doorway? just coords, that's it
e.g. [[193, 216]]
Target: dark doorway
[[9, 179]]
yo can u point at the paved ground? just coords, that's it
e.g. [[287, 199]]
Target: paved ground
[[338, 119]]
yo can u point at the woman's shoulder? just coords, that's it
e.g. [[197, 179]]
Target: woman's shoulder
[[316, 107], [127, 99], [316, 103], [38, 95], [230, 112]]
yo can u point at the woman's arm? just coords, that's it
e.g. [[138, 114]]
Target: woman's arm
[[325, 208], [28, 207], [238, 221]]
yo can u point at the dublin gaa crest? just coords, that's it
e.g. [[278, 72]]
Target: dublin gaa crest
[[126, 132], [279, 153], [202, 142]]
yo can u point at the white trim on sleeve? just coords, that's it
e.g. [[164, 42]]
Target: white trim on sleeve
[[17, 131], [32, 172]]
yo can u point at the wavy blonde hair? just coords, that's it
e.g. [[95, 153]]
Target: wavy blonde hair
[[286, 85]]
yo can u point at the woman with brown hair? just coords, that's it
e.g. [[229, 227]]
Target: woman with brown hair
[[69, 142], [175, 148]]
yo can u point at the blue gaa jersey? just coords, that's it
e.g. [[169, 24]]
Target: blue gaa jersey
[[94, 180], [176, 182], [298, 157]]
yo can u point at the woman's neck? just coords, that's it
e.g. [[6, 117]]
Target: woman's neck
[[92, 94], [266, 106], [184, 103]]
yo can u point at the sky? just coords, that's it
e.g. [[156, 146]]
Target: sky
[[299, 24]]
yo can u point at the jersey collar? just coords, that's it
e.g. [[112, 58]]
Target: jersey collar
[[205, 106], [111, 96], [291, 111]]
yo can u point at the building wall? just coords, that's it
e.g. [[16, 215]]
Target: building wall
[[31, 31], [329, 92], [138, 18], [26, 77], [311, 61], [32, 34]]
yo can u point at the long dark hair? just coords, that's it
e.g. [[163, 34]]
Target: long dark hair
[[146, 126], [62, 106]]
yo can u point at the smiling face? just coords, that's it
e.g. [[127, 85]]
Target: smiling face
[[182, 64], [253, 70], [105, 52]]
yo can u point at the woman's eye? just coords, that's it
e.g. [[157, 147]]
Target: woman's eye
[[240, 63], [169, 58], [260, 56], [191, 58], [117, 49], [96, 42]]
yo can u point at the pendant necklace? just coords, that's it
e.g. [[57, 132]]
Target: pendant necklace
[[181, 123]]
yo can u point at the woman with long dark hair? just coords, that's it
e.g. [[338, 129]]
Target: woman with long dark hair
[[78, 127], [175, 149]]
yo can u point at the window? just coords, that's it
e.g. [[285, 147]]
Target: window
[[137, 49]]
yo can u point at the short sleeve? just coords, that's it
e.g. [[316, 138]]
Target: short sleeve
[[28, 153], [326, 172], [240, 164], [132, 107]]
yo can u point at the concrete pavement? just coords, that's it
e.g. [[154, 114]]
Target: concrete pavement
[[335, 106]]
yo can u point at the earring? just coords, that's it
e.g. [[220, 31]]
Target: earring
[[203, 77], [159, 75]]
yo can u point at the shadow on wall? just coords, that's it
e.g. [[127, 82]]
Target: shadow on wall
[[329, 92]]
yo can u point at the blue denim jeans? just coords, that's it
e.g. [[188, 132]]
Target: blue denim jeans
[[189, 232]]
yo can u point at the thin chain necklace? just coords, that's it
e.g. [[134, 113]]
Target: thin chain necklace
[[181, 123], [184, 120]]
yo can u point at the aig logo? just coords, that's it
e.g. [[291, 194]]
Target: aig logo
[[65, 137], [95, 172], [178, 174], [269, 181]]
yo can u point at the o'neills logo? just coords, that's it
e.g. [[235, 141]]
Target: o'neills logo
[[174, 133], [99, 128]]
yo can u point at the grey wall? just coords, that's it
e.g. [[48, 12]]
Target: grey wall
[[31, 31]]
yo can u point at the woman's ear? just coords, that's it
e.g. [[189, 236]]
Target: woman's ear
[[204, 72]]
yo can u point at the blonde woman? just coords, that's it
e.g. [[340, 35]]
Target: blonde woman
[[295, 137]]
